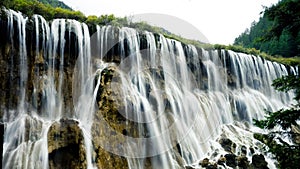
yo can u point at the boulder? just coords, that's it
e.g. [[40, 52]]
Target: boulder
[[259, 162], [243, 162], [221, 160], [231, 160], [205, 162], [243, 150], [227, 144], [212, 166], [66, 145]]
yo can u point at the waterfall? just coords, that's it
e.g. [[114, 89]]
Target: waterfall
[[25, 144], [175, 98]]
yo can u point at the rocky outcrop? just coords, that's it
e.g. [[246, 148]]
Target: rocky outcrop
[[65, 145], [110, 126], [205, 163], [243, 162], [37, 66], [235, 157], [259, 162], [227, 144]]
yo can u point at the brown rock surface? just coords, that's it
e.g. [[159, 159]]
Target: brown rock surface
[[65, 145]]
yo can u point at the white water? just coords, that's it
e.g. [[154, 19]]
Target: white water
[[25, 144], [180, 96]]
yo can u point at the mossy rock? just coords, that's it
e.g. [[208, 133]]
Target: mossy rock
[[66, 145]]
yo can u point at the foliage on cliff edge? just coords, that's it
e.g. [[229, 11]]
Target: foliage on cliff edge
[[276, 32], [283, 138]]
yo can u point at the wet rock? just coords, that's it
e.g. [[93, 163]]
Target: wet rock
[[178, 158], [259, 162], [252, 151], [243, 150], [107, 160], [33, 128], [204, 162], [221, 160], [243, 162], [296, 134], [65, 145], [227, 144], [212, 166], [231, 160], [208, 165], [1, 141], [110, 127]]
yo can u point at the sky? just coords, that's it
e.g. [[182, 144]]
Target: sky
[[213, 21]]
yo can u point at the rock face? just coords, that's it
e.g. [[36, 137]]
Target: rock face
[[31, 73], [65, 145], [8, 70], [235, 157], [110, 126], [107, 116]]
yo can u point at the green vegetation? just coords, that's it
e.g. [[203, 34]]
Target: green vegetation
[[286, 18], [30, 7], [283, 124], [277, 31], [144, 26], [287, 154], [258, 37], [51, 9], [56, 3]]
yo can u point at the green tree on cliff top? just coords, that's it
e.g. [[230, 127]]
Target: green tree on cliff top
[[285, 122]]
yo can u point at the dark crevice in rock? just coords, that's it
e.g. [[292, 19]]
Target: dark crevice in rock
[[65, 157], [65, 145]]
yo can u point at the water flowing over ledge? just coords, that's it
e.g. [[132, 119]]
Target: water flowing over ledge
[[122, 97]]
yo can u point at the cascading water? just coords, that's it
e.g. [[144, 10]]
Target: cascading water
[[176, 96], [25, 144]]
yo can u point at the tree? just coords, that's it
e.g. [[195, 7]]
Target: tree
[[283, 138], [286, 16], [56, 3], [287, 153], [277, 31]]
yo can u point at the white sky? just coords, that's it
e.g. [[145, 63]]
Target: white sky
[[221, 21]]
